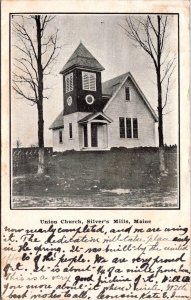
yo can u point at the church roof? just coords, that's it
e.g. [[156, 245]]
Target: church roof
[[110, 86], [58, 122], [82, 58], [95, 116]]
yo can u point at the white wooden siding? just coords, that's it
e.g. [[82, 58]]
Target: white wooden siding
[[135, 108], [75, 142]]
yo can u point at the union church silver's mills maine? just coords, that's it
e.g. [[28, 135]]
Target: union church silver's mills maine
[[98, 116]]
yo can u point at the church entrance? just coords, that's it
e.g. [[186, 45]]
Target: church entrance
[[93, 132], [95, 136]]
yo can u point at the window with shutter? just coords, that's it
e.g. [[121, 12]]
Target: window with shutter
[[89, 81], [69, 82]]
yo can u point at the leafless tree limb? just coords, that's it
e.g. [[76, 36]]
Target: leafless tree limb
[[169, 66], [150, 34], [27, 61], [163, 32], [36, 51], [167, 88]]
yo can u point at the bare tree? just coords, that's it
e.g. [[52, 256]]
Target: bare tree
[[150, 33], [36, 52]]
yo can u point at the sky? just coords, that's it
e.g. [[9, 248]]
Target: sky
[[106, 40]]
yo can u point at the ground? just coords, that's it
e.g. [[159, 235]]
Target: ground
[[118, 178]]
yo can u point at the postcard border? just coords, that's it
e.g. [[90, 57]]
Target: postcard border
[[178, 146]]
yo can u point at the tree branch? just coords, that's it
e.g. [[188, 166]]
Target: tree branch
[[26, 66], [168, 68], [167, 89], [21, 93], [133, 33], [155, 31], [52, 58], [163, 32], [22, 31]]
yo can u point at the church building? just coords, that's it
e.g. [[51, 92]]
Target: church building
[[98, 116]]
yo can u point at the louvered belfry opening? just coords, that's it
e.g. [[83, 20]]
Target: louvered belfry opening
[[89, 81]]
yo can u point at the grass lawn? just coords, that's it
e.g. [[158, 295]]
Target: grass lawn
[[116, 178]]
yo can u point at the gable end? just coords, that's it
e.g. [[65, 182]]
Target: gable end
[[145, 101]]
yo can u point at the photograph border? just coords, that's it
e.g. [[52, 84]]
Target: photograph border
[[178, 146]]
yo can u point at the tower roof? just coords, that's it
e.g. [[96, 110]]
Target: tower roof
[[82, 58]]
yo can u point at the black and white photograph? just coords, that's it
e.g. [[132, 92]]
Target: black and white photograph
[[94, 117]]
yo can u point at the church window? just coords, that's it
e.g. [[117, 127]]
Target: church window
[[69, 82], [90, 99], [70, 130], [60, 137], [122, 127], [89, 81], [128, 128], [127, 93], [135, 128]]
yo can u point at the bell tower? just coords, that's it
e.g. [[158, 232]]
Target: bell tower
[[82, 89]]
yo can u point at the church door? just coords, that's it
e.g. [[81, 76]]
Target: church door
[[94, 141]]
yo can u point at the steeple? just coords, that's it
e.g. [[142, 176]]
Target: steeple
[[82, 58], [82, 82]]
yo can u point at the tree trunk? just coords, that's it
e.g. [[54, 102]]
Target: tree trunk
[[162, 161], [160, 128], [40, 98], [41, 161], [160, 115], [40, 139], [160, 108], [159, 84]]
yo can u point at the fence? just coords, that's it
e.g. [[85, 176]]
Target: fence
[[29, 156]]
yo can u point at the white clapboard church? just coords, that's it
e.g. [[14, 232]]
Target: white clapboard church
[[98, 116]]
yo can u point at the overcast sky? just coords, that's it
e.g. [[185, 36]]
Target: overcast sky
[[105, 39]]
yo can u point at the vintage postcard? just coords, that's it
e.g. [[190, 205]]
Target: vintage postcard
[[101, 123], [95, 150]]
